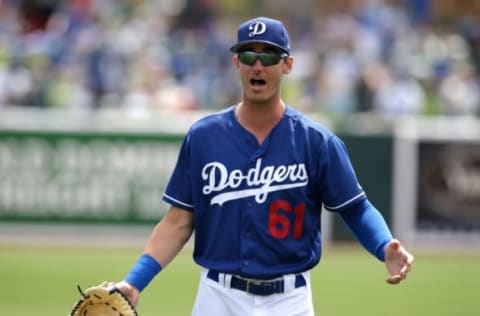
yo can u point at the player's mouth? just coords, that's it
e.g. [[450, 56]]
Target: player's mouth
[[257, 83]]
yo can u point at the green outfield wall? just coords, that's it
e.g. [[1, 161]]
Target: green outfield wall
[[372, 158], [84, 176]]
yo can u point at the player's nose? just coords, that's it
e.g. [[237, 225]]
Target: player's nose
[[258, 64]]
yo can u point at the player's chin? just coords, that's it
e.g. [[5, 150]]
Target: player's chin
[[257, 97]]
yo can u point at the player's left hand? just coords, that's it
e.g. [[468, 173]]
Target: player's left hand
[[130, 292], [398, 262]]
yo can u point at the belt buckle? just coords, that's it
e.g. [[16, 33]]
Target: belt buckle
[[247, 289], [251, 282], [264, 287]]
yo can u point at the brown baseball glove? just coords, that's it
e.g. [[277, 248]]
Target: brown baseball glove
[[103, 300]]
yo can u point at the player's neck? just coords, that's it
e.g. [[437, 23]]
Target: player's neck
[[259, 119]]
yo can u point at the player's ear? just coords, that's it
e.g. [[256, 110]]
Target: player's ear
[[236, 62], [287, 65]]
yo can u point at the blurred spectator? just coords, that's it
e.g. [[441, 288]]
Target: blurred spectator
[[469, 29], [459, 91], [34, 14], [339, 73], [419, 11], [20, 85], [398, 94], [370, 80]]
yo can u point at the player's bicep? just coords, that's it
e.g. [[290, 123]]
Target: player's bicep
[[340, 186]]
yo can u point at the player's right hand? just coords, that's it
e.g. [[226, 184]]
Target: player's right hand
[[131, 292]]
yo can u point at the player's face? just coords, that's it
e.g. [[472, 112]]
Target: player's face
[[261, 69]]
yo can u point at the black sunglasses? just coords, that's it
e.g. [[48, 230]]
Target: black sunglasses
[[267, 59]]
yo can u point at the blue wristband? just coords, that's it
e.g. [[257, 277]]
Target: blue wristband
[[143, 272]]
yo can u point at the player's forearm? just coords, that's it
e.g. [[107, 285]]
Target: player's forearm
[[166, 241], [369, 226], [170, 235]]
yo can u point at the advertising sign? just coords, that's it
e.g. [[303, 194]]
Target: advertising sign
[[437, 180], [55, 176]]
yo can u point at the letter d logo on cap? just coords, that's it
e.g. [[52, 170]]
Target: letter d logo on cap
[[257, 28]]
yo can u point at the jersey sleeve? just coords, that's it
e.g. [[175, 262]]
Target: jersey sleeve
[[368, 226], [179, 188], [340, 187]]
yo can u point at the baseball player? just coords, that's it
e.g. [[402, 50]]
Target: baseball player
[[251, 182]]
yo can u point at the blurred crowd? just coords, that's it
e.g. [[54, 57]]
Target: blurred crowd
[[174, 55]]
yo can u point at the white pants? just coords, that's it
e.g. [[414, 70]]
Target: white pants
[[216, 299]]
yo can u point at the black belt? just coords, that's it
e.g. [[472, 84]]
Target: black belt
[[258, 287]]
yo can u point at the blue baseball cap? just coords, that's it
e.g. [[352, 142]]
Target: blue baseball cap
[[262, 30]]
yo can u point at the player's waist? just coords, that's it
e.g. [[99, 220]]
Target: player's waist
[[261, 287]]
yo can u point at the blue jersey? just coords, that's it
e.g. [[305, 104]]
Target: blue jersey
[[257, 208]]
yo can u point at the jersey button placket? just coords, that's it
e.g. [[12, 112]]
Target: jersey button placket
[[247, 254], [249, 206]]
